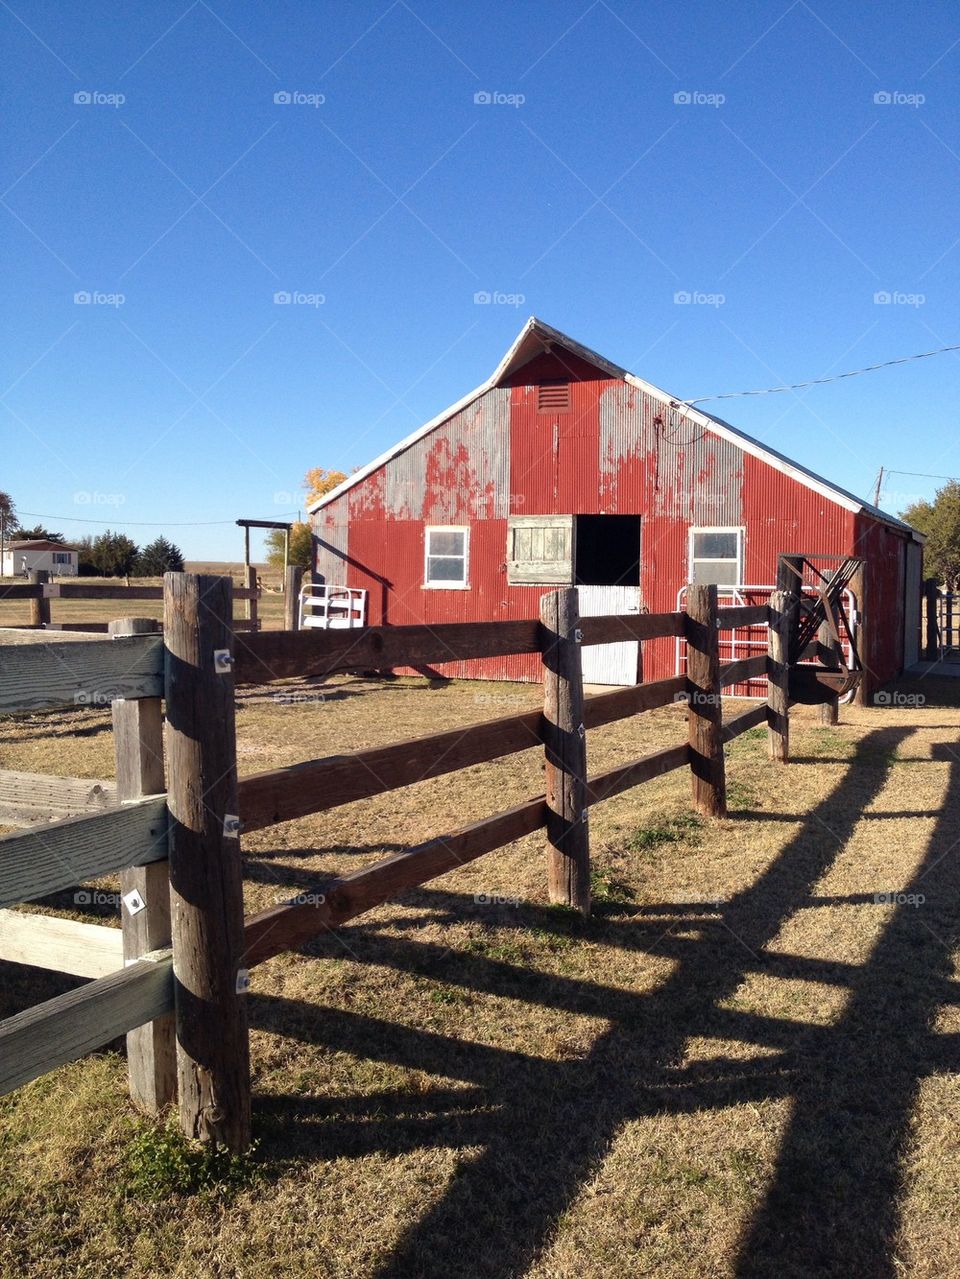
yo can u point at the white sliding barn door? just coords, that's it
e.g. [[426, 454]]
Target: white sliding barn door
[[610, 663]]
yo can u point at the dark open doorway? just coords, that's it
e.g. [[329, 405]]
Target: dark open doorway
[[607, 550]]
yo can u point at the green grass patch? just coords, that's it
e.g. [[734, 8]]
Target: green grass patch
[[160, 1161], [684, 828]]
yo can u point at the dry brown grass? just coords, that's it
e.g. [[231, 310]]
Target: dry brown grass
[[17, 612], [742, 1065]]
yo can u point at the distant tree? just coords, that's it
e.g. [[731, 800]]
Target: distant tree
[[86, 567], [8, 511], [157, 558], [318, 481], [38, 533], [940, 521], [301, 546], [114, 554]]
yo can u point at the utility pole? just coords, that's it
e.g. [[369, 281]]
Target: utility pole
[[876, 491]]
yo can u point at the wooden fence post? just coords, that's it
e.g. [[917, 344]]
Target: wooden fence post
[[253, 603], [138, 744], [292, 582], [705, 702], [778, 674], [565, 748], [829, 652], [931, 592], [39, 609], [206, 885]]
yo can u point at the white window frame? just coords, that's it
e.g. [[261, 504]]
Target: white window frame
[[446, 586], [740, 531], [61, 557]]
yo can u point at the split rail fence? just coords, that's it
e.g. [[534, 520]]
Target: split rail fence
[[173, 830], [41, 592]]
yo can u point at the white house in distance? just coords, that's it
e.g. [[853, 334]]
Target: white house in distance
[[21, 557]]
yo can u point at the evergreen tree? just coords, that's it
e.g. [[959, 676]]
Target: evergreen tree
[[159, 557]]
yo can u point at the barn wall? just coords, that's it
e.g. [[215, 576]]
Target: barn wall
[[620, 450], [885, 552]]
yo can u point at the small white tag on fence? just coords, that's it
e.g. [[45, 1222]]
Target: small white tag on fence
[[578, 636], [222, 661], [231, 824], [582, 730], [243, 980], [583, 816], [133, 902]]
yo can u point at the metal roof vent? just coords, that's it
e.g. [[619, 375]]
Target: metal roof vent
[[553, 396]]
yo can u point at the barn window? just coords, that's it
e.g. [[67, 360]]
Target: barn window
[[716, 555], [61, 557], [553, 396], [540, 550], [446, 552]]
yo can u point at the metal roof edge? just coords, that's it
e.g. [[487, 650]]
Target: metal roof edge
[[764, 452]]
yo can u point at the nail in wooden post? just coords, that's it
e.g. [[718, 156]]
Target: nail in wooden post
[[138, 743], [213, 1054], [704, 702], [39, 609], [828, 652], [565, 747], [292, 582], [778, 673]]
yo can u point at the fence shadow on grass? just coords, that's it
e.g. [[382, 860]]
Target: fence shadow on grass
[[546, 1125]]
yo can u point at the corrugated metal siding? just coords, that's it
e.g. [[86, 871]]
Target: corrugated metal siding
[[330, 544], [882, 603], [459, 472], [618, 450]]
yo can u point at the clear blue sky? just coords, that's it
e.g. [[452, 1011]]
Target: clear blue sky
[[782, 186]]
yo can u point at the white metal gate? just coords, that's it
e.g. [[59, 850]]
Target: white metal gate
[[610, 663]]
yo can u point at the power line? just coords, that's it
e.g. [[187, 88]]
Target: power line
[[925, 475], [73, 519], [820, 381]]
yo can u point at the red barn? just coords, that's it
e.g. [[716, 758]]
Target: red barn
[[564, 468]]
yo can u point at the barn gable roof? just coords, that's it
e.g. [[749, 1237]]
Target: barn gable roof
[[533, 339]]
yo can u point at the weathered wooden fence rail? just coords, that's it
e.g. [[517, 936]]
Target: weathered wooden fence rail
[[40, 591], [180, 996]]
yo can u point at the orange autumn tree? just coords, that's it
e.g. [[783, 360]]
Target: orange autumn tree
[[318, 481]]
